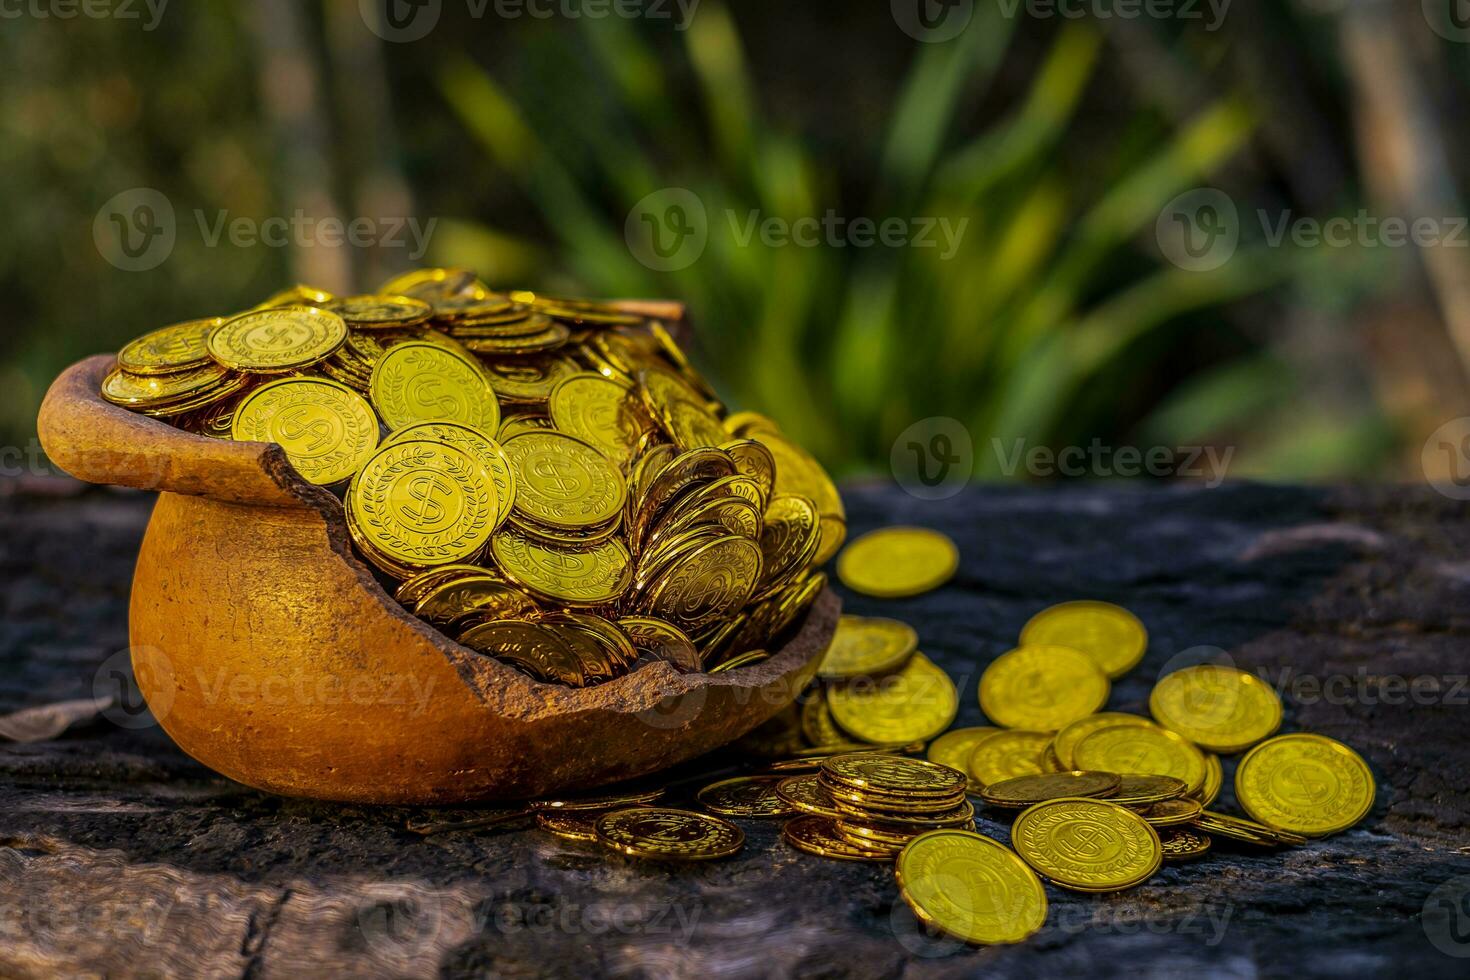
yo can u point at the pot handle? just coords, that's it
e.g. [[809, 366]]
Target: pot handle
[[98, 442]]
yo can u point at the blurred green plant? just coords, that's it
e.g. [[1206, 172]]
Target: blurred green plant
[[1046, 293]]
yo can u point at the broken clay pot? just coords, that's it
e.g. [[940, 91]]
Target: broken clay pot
[[270, 653]]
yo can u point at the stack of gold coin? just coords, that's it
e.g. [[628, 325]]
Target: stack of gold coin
[[868, 806], [547, 480]]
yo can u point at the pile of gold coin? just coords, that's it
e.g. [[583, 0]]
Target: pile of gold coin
[[547, 480], [1098, 800]]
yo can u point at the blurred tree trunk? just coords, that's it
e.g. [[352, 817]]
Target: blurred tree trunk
[[377, 188], [291, 101]]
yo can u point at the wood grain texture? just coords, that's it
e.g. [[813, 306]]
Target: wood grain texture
[[119, 855]]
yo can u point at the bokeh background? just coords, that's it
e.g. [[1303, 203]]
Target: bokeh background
[[1069, 147]]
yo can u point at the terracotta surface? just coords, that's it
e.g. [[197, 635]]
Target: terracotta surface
[[272, 655]]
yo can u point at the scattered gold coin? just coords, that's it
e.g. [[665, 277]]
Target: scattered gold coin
[[868, 647], [745, 796], [1087, 845], [664, 834], [971, 887], [1218, 708], [897, 562], [1042, 688], [1112, 636], [917, 702], [1305, 784]]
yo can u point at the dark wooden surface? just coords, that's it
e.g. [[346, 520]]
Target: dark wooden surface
[[120, 856]]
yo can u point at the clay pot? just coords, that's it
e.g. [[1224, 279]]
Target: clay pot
[[270, 653]]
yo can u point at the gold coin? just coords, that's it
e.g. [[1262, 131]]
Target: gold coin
[[1142, 750], [901, 816], [1214, 780], [563, 482], [819, 836], [142, 392], [422, 504], [171, 349], [713, 582], [955, 747], [797, 472], [413, 591], [578, 576], [297, 295], [1042, 688], [971, 887], [574, 825], [433, 284], [741, 660], [604, 801], [479, 596], [662, 641], [664, 834], [1305, 784], [679, 409], [745, 796], [479, 445], [423, 381], [754, 462], [878, 773], [528, 380], [897, 562], [1023, 791], [867, 647], [1141, 790], [1112, 636], [806, 793], [1184, 844], [912, 704], [1245, 831], [531, 647], [1008, 754], [599, 412], [791, 531], [381, 312], [328, 431], [1168, 813], [816, 720], [1087, 845], [1216, 707], [277, 340], [1066, 741]]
